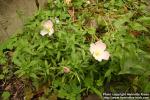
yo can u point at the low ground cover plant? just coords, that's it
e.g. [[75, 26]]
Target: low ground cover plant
[[74, 48]]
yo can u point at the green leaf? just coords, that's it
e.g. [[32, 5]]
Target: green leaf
[[1, 76], [3, 59], [20, 73], [145, 20], [29, 50], [99, 82], [58, 55], [88, 82], [131, 66], [108, 73], [120, 22], [97, 92], [147, 87], [33, 75], [91, 30], [5, 95], [138, 27], [33, 62]]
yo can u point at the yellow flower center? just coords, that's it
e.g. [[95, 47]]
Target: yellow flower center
[[97, 53]]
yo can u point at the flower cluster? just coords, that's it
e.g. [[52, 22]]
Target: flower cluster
[[98, 51]]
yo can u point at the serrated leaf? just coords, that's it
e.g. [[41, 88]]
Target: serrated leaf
[[33, 62], [20, 73], [91, 30], [33, 75], [108, 73], [118, 23], [97, 92], [125, 18], [144, 19], [58, 55], [99, 82], [88, 82], [138, 27]]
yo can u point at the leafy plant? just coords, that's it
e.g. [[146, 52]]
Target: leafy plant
[[123, 25]]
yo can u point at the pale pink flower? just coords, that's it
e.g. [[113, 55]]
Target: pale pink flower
[[98, 51], [47, 28], [66, 70]]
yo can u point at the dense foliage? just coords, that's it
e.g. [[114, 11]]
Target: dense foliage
[[123, 25]]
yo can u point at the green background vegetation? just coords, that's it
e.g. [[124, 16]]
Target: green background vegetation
[[124, 25]]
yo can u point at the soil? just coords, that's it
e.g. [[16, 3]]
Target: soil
[[16, 88]]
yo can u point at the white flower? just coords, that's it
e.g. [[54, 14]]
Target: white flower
[[47, 28], [98, 51]]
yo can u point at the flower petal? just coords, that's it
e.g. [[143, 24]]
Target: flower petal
[[51, 32], [43, 32], [99, 58], [101, 45], [47, 24], [105, 55], [92, 48]]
